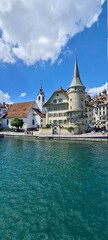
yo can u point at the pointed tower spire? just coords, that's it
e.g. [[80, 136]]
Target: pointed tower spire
[[41, 86], [76, 81]]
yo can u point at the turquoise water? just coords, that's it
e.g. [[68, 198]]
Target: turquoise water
[[53, 190]]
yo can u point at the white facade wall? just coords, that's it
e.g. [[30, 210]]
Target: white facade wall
[[41, 101], [32, 121], [2, 111], [76, 99]]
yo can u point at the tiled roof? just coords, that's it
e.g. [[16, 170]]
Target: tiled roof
[[19, 110], [101, 99], [39, 113]]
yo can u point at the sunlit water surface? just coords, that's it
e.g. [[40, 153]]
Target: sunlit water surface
[[53, 190]]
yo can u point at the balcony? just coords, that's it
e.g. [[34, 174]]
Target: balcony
[[72, 116]]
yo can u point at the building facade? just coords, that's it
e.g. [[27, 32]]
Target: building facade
[[100, 111], [3, 110], [67, 108], [32, 113], [75, 108]]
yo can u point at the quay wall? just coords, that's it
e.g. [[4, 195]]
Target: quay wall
[[74, 137]]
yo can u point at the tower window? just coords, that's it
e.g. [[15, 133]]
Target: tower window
[[39, 98], [33, 121], [43, 98]]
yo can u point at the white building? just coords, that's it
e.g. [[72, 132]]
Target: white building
[[100, 111], [32, 113], [3, 110]]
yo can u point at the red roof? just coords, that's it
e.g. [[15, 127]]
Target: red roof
[[19, 110], [42, 115]]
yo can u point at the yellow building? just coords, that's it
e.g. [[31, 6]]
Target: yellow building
[[67, 108], [57, 107]]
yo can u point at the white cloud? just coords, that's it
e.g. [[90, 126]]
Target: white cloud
[[60, 61], [96, 90], [4, 97], [22, 94], [33, 30]]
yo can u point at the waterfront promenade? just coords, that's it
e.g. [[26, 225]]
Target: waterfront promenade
[[93, 136]]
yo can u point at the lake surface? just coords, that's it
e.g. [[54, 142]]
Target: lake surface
[[53, 190]]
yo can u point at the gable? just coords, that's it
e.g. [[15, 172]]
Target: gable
[[58, 97]]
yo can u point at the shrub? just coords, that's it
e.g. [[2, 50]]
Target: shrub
[[70, 129]]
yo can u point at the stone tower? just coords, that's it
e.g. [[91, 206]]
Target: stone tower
[[41, 100], [76, 94]]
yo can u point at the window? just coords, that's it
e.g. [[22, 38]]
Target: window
[[43, 98], [60, 100], [41, 120], [65, 121], [71, 100], [55, 100], [33, 122], [7, 121], [39, 98]]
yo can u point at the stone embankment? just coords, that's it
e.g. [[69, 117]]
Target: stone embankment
[[101, 136]]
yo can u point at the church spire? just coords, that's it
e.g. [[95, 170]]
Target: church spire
[[76, 81]]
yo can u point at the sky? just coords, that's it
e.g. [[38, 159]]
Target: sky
[[38, 44]]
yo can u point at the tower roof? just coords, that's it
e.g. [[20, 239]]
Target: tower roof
[[40, 91], [76, 81]]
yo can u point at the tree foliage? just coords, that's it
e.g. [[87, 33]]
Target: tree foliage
[[16, 122], [70, 129]]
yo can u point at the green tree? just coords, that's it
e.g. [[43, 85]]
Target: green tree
[[16, 122]]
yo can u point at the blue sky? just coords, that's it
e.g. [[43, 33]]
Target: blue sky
[[23, 70]]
